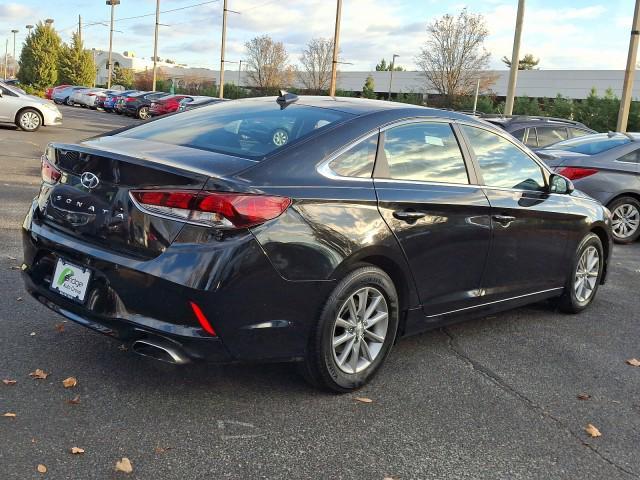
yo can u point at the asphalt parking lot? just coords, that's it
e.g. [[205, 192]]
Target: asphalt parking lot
[[495, 398]]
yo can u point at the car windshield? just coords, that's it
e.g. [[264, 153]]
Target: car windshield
[[591, 144], [244, 128]]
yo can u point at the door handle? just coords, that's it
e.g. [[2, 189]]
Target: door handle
[[408, 216], [504, 219]]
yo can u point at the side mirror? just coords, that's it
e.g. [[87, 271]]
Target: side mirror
[[560, 184]]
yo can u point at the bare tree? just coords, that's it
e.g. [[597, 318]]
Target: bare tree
[[316, 65], [267, 62], [454, 57]]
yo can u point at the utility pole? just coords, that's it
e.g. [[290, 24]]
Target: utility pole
[[336, 42], [155, 45], [239, 71], [224, 35], [475, 98], [627, 86], [6, 57], [393, 65], [15, 62], [515, 60], [113, 4], [80, 28]]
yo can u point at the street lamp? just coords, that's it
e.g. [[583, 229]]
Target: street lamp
[[393, 65], [29, 27], [112, 4], [239, 70], [14, 52], [48, 22]]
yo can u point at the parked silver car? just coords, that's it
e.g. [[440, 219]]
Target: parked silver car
[[63, 95], [605, 166], [26, 111]]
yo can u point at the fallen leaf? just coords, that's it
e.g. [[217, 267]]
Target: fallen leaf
[[39, 374], [75, 400], [42, 468], [77, 450], [592, 431], [363, 400], [59, 327], [19, 299], [33, 440], [6, 381], [634, 362], [69, 382], [584, 396], [124, 465], [163, 449], [9, 415]]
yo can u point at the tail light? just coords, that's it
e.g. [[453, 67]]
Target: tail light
[[212, 209], [576, 173], [50, 174], [202, 319], [130, 99], [91, 94]]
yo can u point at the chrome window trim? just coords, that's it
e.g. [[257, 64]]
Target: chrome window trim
[[430, 183], [495, 301], [325, 170]]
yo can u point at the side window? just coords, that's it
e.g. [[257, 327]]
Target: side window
[[502, 164], [519, 134], [426, 152], [357, 161], [631, 157], [578, 132], [7, 92], [531, 139], [550, 135]]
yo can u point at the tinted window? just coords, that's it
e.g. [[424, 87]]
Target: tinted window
[[577, 132], [592, 144], [248, 128], [426, 152], [519, 134], [7, 91], [531, 140], [549, 135], [358, 161], [631, 157], [502, 164]]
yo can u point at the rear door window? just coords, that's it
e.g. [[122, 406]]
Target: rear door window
[[551, 135], [427, 152], [357, 161], [631, 157]]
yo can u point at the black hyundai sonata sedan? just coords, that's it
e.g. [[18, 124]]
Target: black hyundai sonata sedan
[[191, 238]]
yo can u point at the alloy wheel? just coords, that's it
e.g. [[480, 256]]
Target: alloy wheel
[[587, 273], [143, 113], [360, 329], [29, 120], [625, 220]]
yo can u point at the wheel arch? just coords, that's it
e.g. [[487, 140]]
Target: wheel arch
[[601, 232], [632, 194], [16, 120]]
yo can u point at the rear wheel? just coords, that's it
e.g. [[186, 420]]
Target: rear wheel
[[586, 273], [68, 101], [355, 332], [143, 113], [29, 120], [625, 219]]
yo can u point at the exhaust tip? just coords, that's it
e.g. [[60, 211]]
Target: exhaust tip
[[159, 351]]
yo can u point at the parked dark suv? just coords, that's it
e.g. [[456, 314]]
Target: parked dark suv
[[539, 132]]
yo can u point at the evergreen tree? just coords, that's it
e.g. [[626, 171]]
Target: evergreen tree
[[123, 76], [368, 89], [75, 64], [39, 57]]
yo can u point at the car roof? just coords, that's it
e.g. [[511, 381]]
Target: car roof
[[522, 121]]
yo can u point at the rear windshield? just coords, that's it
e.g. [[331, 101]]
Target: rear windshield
[[590, 145], [250, 129]]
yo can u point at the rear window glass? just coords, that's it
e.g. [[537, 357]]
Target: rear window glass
[[243, 128], [358, 161], [588, 145]]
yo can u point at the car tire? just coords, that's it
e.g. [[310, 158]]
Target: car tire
[[330, 365], [584, 277], [143, 113], [625, 219], [29, 120], [67, 101]]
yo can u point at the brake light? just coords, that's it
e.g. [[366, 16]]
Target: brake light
[[202, 319], [215, 209], [91, 94], [576, 173], [50, 174], [130, 99]]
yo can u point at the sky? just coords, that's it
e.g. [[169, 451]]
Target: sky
[[565, 34]]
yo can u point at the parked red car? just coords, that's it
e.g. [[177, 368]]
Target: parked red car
[[166, 104], [48, 93]]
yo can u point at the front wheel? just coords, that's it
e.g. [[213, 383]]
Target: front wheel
[[29, 120], [625, 219], [354, 333], [143, 113], [585, 275]]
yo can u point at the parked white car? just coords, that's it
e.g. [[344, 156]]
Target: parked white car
[[76, 98], [26, 111]]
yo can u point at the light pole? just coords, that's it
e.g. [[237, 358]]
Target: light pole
[[29, 27], [515, 60], [393, 65], [112, 4], [239, 71], [155, 45], [627, 86], [336, 41], [6, 57], [224, 38], [14, 52]]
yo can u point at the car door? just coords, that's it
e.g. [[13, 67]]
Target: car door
[[426, 195], [530, 225], [9, 105]]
